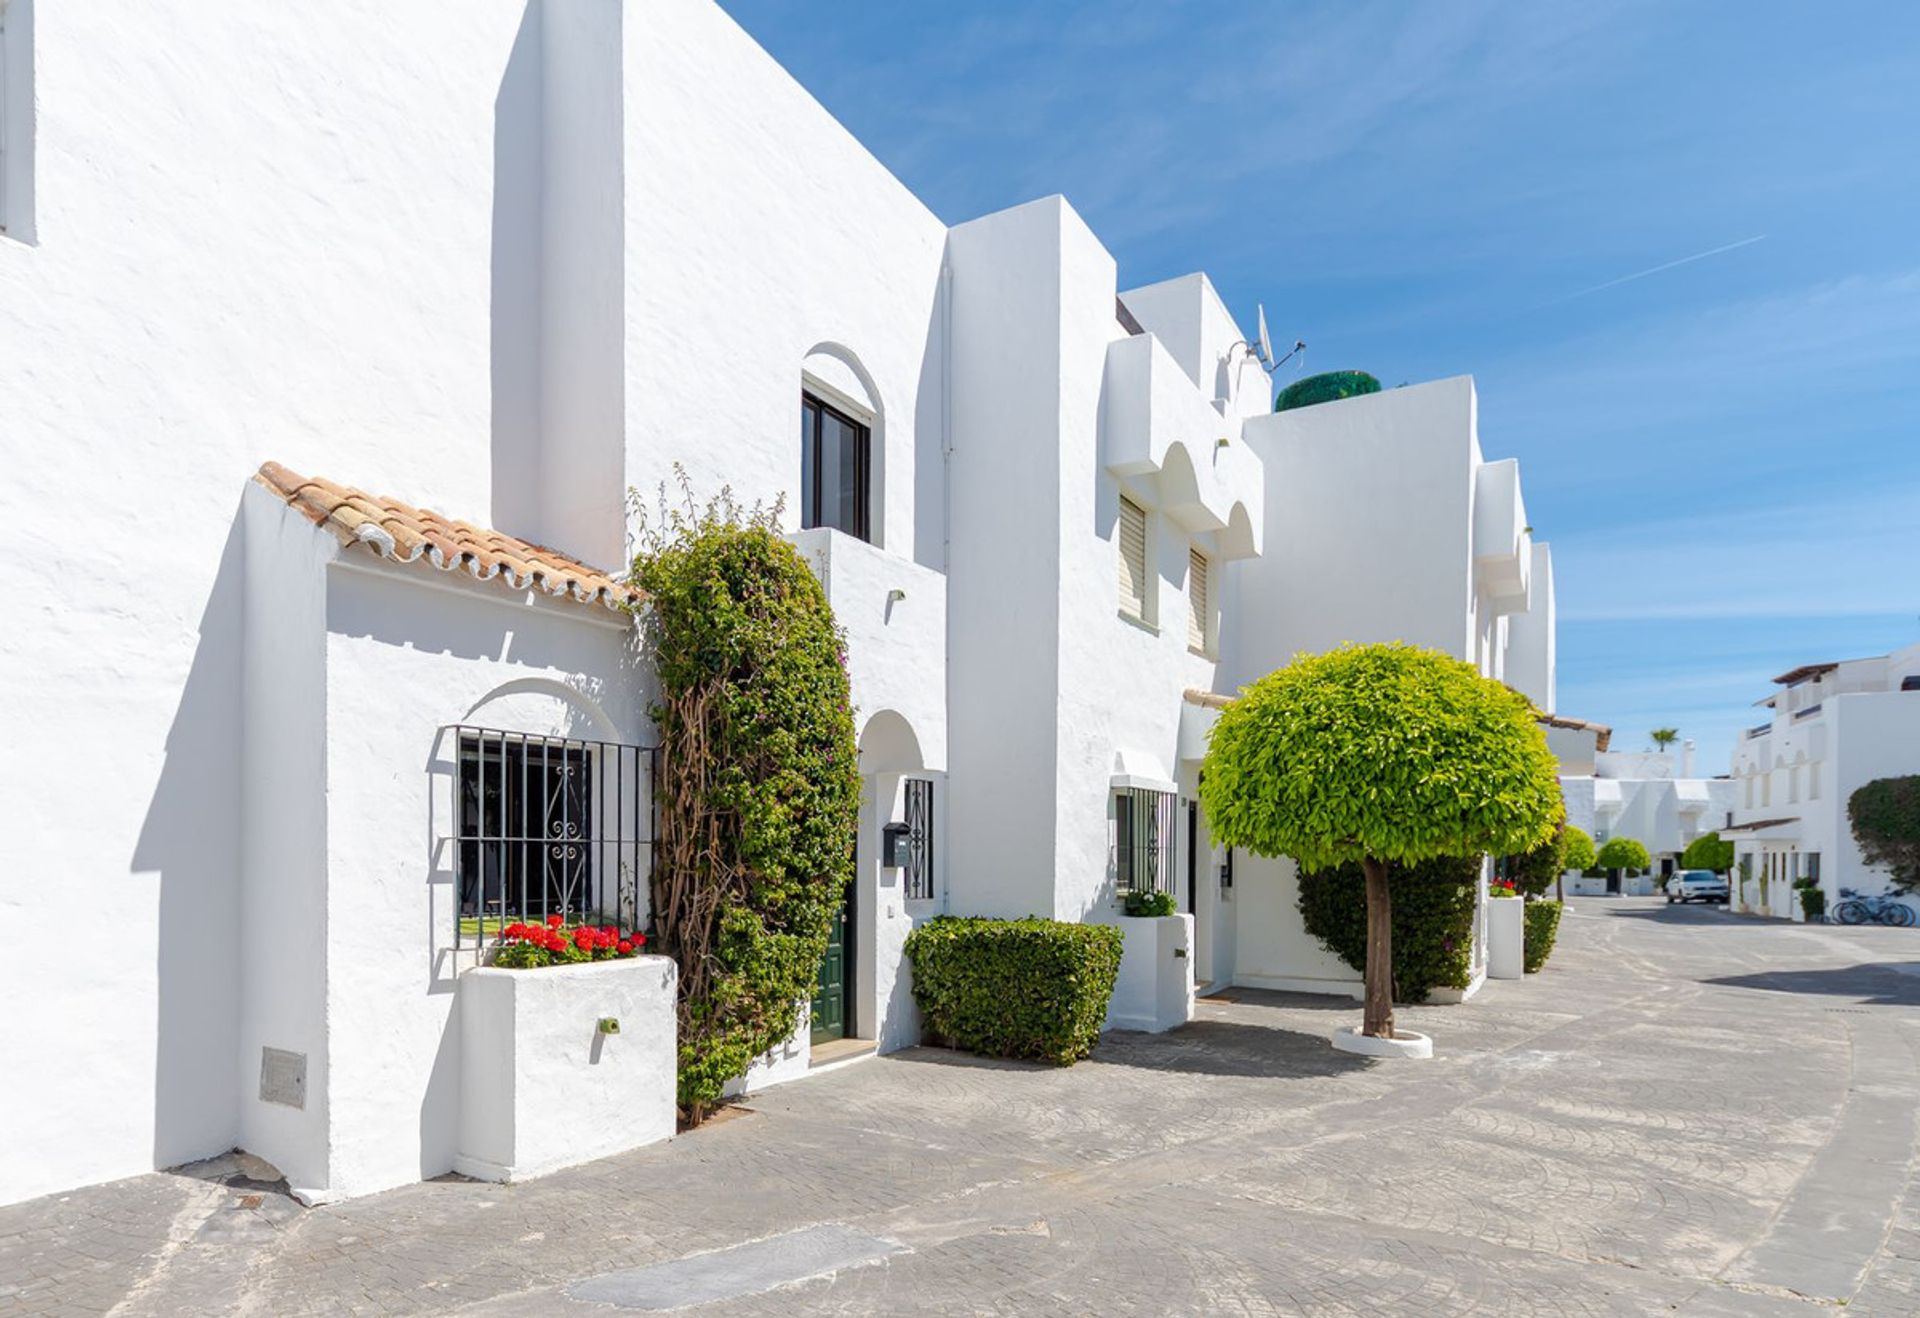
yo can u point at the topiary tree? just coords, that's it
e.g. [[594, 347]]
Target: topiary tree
[[1708, 852], [1379, 755], [1533, 872], [1326, 387], [1622, 853], [1664, 737], [758, 787], [1885, 817], [1580, 855]]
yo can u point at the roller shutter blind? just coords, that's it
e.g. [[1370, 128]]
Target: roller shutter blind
[[1133, 559], [1198, 586]]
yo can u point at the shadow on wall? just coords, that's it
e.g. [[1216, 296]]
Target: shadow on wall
[[931, 413], [515, 308], [190, 840]]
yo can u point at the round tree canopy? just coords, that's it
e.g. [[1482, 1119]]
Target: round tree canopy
[[1325, 388], [1580, 853], [1623, 853], [1707, 852], [1384, 751]]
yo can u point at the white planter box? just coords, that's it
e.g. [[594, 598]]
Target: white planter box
[[1154, 990], [1506, 938], [541, 1087]]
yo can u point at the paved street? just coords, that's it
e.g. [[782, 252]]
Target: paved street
[[1687, 1112]]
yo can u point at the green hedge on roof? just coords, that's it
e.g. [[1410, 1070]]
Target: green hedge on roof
[[1325, 388]]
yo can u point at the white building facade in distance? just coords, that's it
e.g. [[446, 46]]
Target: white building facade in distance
[[1828, 730], [1645, 796], [326, 416]]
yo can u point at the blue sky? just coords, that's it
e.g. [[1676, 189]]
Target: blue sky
[[1724, 453]]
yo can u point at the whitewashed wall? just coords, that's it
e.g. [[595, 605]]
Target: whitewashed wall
[[309, 281], [405, 658]]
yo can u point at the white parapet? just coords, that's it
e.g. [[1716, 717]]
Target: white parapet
[[564, 1064], [1154, 990], [1506, 938]]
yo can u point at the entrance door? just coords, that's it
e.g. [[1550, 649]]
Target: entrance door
[[833, 987], [830, 990]]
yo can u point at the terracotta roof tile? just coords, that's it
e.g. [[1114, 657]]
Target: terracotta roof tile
[[406, 534]]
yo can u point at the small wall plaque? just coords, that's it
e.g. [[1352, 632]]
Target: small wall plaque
[[283, 1077]]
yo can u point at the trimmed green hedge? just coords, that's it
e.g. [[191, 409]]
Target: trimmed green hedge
[[1325, 388], [1543, 926], [1015, 988], [1432, 920]]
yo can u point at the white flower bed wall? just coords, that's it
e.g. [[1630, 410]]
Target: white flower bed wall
[[542, 1086]]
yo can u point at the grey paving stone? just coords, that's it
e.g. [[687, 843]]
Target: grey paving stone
[[1683, 1114]]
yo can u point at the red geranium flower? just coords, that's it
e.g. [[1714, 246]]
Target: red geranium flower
[[555, 921], [625, 946]]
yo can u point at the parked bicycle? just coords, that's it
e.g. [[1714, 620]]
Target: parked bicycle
[[1881, 909]]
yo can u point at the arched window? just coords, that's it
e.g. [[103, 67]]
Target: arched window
[[836, 461]]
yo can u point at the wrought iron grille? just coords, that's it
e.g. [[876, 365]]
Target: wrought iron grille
[[1143, 840], [549, 826], [918, 870]]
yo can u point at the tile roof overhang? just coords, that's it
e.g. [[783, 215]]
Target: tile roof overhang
[[405, 534], [1758, 824], [1803, 672]]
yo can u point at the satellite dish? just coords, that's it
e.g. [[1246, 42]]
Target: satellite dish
[[1266, 344]]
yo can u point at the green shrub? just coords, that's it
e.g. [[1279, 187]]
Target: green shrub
[[1885, 817], [1433, 903], [1533, 872], [758, 788], [1325, 388], [1708, 852], [1543, 926], [1149, 903], [1813, 901], [1015, 988], [1579, 849]]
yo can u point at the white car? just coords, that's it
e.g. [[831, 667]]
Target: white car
[[1696, 886]]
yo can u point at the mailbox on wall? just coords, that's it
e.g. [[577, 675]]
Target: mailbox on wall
[[893, 846]]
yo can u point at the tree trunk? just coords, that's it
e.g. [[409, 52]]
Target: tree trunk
[[1379, 1010], [1560, 886]]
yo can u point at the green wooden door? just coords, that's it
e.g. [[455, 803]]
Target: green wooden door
[[830, 990]]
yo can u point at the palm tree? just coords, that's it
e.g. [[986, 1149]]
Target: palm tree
[[1664, 737]]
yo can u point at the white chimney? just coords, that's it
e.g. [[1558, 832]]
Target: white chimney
[[1686, 758]]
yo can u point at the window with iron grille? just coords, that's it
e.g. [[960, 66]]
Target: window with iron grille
[[549, 826], [918, 870], [1143, 840]]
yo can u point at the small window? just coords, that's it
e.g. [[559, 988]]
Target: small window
[[1143, 840], [1199, 593], [917, 875], [835, 469], [1133, 560]]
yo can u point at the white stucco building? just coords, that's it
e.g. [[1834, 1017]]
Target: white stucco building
[[507, 262], [1645, 796], [1829, 729]]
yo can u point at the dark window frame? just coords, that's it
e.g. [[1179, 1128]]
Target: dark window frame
[[813, 409]]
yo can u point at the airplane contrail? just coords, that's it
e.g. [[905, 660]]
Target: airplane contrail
[[1654, 270]]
